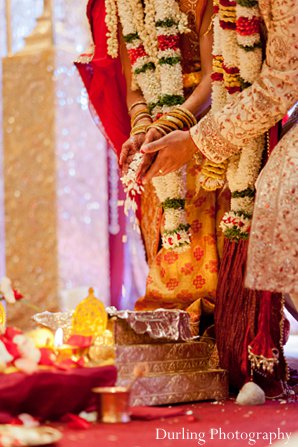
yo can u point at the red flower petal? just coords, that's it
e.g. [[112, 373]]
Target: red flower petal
[[80, 340], [17, 294], [75, 421]]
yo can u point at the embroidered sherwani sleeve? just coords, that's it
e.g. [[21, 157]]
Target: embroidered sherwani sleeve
[[222, 134]]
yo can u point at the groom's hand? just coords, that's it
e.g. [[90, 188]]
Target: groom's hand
[[174, 151]]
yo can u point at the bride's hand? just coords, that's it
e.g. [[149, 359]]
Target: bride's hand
[[129, 149]]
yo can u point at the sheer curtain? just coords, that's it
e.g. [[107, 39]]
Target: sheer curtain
[[84, 202]]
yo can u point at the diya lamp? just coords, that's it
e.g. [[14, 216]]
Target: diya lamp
[[63, 351], [88, 323]]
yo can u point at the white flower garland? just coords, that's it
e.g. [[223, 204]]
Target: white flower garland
[[249, 64], [242, 51], [143, 25], [112, 25], [131, 189], [243, 171], [147, 80], [235, 225], [159, 82], [218, 96], [218, 93]]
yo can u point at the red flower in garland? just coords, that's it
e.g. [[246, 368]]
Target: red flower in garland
[[135, 53], [168, 42], [232, 90], [227, 3], [217, 76], [247, 27], [227, 25], [230, 70]]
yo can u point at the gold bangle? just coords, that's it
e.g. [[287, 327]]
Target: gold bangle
[[139, 126], [224, 164], [167, 124], [159, 125], [212, 175], [159, 128], [189, 114], [138, 130], [184, 121], [178, 122], [144, 110], [138, 103], [185, 118], [138, 133], [140, 117], [218, 171]]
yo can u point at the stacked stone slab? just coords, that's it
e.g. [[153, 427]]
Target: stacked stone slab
[[176, 371]]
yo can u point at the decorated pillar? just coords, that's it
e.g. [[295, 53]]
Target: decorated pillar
[[55, 174], [29, 170]]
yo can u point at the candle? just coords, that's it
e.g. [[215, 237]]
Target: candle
[[58, 339], [62, 350]]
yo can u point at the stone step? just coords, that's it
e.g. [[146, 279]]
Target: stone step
[[164, 358], [179, 387]]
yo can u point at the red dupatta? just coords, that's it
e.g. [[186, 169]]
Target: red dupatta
[[104, 81]]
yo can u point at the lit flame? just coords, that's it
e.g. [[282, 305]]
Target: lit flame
[[58, 339]]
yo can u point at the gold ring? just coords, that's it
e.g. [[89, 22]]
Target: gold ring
[[160, 171]]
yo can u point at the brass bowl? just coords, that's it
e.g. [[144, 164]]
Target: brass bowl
[[113, 404]]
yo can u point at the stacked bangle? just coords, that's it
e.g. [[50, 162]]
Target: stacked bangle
[[187, 115], [161, 129], [177, 119], [138, 125], [139, 128], [137, 103], [140, 115]]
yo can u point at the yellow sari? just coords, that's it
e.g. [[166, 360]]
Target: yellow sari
[[185, 279]]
